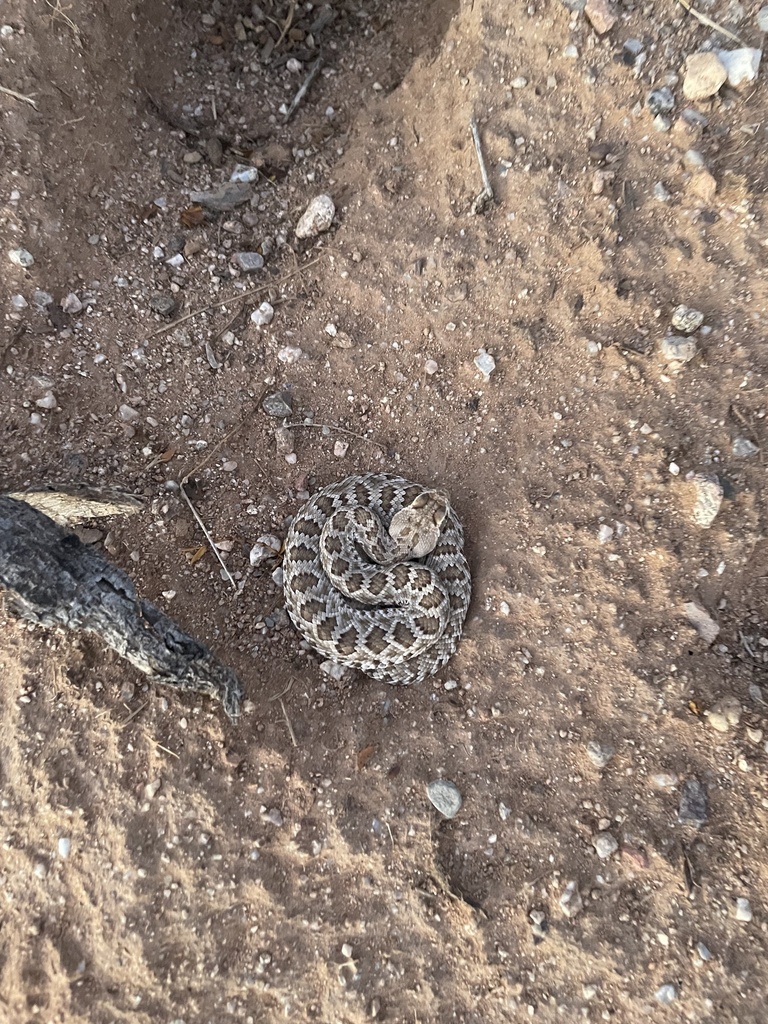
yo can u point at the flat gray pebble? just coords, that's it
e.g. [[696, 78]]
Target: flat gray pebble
[[743, 448], [605, 844], [694, 805], [444, 795], [599, 754], [248, 262], [163, 305], [660, 101], [278, 404], [686, 319], [743, 909], [666, 995], [225, 197]]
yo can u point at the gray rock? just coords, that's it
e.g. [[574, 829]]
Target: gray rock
[[666, 995], [708, 497], [71, 304], [694, 805], [264, 315], [684, 318], [278, 404], [701, 621], [743, 448], [265, 548], [705, 74], [317, 217], [660, 101], [661, 193], [163, 305], [677, 350], [21, 258], [272, 815], [741, 65], [485, 363], [444, 795], [19, 302], [605, 845], [599, 754], [693, 160], [225, 197], [703, 952], [570, 900], [41, 299], [743, 909], [248, 262], [762, 19], [128, 414]]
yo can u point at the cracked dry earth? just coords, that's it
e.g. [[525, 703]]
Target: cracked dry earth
[[158, 862]]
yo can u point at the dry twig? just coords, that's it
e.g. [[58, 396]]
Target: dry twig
[[709, 23], [233, 298], [18, 96], [303, 89]]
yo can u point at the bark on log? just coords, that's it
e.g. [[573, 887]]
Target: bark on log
[[55, 580]]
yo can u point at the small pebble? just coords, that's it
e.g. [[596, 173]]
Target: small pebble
[[19, 302], [244, 173], [346, 950], [599, 754], [693, 160], [743, 448], [704, 76], [444, 795], [707, 498], [666, 995], [725, 714], [693, 808], [163, 305], [224, 198], [64, 846], [605, 845], [571, 51], [48, 401], [570, 900], [248, 262], [664, 780], [266, 547], [289, 354], [701, 621], [21, 257], [431, 367], [317, 217], [278, 404], [263, 315], [605, 533], [340, 449], [485, 363], [71, 304], [660, 101], [703, 952], [687, 320], [601, 14], [519, 82], [128, 414], [677, 350], [504, 811], [762, 19], [741, 65], [743, 909], [272, 815]]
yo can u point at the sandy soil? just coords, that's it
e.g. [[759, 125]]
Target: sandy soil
[[162, 864]]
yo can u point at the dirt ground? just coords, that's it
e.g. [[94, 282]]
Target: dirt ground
[[162, 864]]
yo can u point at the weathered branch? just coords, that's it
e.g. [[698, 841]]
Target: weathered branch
[[55, 580]]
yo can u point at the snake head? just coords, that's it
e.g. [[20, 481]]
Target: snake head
[[416, 528]]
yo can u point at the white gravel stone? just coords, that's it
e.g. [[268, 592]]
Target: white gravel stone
[[743, 448], [485, 363], [266, 547], [263, 315], [71, 304], [666, 995], [570, 900], [741, 65], [677, 350], [743, 909], [289, 354], [708, 497], [48, 401], [128, 414], [317, 217], [21, 258], [64, 847], [444, 795], [762, 19], [605, 845], [687, 320]]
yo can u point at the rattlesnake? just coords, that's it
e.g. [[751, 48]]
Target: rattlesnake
[[375, 576]]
